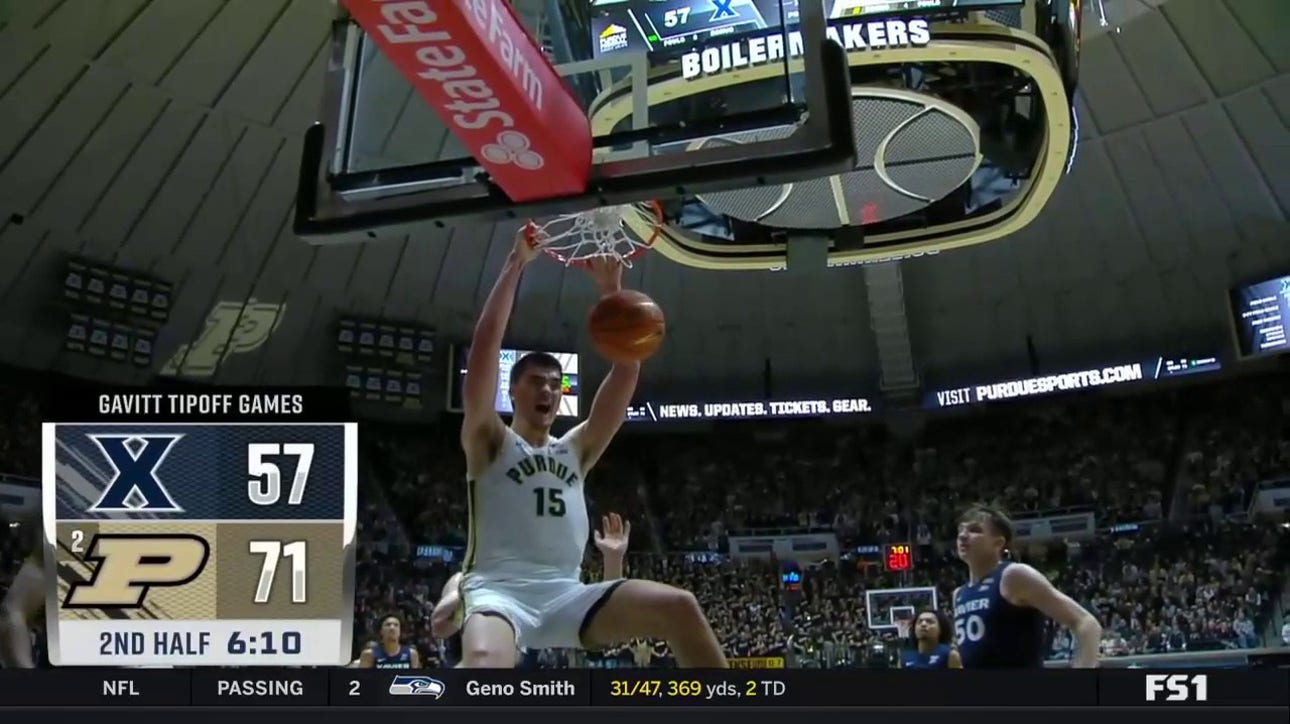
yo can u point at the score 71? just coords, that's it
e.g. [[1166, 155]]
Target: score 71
[[265, 487]]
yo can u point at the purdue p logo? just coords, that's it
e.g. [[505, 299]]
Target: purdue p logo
[[130, 564]]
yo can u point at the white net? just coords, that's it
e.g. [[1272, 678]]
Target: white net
[[575, 238]]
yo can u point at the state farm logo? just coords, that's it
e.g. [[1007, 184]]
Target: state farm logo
[[426, 43], [513, 148]]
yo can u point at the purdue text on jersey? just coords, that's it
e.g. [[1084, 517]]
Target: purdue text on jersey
[[200, 544]]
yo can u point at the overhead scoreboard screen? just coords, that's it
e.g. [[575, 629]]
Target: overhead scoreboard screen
[[1259, 314], [654, 26], [201, 543]]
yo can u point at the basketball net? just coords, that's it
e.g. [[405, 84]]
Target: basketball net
[[576, 239], [902, 628]]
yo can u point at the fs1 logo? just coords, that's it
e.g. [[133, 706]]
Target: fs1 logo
[[1177, 687]]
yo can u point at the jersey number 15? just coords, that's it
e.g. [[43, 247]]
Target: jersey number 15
[[550, 502]]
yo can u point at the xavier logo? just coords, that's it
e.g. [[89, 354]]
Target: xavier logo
[[722, 9], [134, 486], [128, 565]]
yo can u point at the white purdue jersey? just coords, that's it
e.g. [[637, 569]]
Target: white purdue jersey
[[528, 514]]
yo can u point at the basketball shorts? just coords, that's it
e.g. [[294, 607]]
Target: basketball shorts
[[545, 614]]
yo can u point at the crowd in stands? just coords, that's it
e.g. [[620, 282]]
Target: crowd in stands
[[1184, 568], [1180, 575]]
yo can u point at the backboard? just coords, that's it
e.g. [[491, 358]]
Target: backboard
[[523, 141], [851, 131]]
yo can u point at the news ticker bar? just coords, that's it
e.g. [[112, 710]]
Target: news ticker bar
[[640, 687]]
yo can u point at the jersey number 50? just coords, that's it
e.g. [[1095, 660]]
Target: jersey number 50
[[971, 628]]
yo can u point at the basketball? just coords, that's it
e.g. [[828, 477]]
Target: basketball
[[626, 326]]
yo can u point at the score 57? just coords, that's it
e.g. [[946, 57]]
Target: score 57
[[265, 485], [676, 18]]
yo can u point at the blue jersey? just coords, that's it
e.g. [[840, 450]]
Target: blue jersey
[[401, 659], [937, 658], [992, 633]]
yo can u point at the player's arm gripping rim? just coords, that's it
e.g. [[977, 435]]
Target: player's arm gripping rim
[[482, 429], [1025, 586], [609, 408]]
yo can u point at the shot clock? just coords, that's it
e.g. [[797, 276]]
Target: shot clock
[[898, 556], [200, 544]]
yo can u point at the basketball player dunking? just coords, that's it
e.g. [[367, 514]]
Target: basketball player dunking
[[390, 652], [999, 613], [22, 602], [528, 515]]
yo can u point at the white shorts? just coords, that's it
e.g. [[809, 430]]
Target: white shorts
[[544, 614]]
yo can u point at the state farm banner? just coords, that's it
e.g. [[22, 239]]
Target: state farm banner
[[802, 547], [477, 67]]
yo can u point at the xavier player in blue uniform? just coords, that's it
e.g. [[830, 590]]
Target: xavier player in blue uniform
[[999, 613], [930, 644], [389, 653]]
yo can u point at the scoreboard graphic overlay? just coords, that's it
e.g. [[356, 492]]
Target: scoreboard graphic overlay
[[213, 544]]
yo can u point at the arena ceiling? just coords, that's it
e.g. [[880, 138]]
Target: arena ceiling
[[164, 137]]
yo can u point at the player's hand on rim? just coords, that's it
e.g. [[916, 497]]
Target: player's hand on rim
[[614, 534], [606, 271], [527, 246]]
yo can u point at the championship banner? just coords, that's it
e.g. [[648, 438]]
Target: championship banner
[[757, 662]]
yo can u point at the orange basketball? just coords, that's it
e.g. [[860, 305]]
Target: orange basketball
[[626, 326]]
